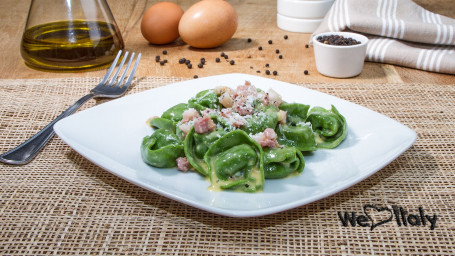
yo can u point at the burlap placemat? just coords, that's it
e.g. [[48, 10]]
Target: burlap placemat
[[62, 204]]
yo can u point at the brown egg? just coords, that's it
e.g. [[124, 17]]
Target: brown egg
[[160, 23], [208, 23]]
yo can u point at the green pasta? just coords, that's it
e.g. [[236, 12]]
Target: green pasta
[[162, 123], [296, 112], [268, 118], [301, 136], [235, 162], [175, 113], [204, 99], [329, 126], [281, 162], [238, 138], [161, 149], [196, 145]]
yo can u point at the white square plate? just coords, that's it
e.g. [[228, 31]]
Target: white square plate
[[110, 136]]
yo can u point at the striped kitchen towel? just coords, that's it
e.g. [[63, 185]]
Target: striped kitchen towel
[[400, 32]]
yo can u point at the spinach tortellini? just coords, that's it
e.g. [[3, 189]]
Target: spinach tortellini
[[175, 113], [235, 162], [300, 136], [281, 162], [257, 123], [162, 123], [203, 100], [161, 149], [329, 126], [238, 138], [296, 112], [196, 145]]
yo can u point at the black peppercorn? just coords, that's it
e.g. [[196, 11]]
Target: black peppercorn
[[222, 54], [285, 36], [157, 58], [260, 48], [232, 62], [195, 76], [336, 40], [277, 51], [203, 61], [164, 52], [305, 72], [217, 59], [267, 72], [187, 62], [270, 42], [190, 66], [306, 46], [226, 56], [249, 40], [267, 65], [280, 56], [275, 72], [200, 65], [162, 63], [182, 60]]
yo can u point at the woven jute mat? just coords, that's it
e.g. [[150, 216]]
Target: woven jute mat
[[62, 204]]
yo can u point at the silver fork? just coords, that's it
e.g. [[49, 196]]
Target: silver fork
[[109, 87]]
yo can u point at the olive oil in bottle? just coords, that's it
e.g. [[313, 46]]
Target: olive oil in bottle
[[71, 45]]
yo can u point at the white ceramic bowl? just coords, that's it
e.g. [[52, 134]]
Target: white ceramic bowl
[[340, 61], [297, 24], [306, 9]]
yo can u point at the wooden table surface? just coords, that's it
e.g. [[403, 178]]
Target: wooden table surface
[[257, 20]]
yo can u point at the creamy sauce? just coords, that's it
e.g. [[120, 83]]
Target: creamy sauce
[[217, 184]]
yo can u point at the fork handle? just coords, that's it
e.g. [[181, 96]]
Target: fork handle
[[25, 152]]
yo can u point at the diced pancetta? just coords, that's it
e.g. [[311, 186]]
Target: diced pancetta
[[189, 115], [242, 106], [268, 138], [204, 124], [226, 112], [183, 164], [185, 128], [246, 90], [233, 119]]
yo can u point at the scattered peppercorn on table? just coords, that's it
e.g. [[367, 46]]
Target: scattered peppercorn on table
[[258, 47], [63, 204]]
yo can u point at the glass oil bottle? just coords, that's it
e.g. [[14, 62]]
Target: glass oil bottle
[[70, 35]]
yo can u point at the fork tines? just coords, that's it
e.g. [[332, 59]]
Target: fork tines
[[121, 67]]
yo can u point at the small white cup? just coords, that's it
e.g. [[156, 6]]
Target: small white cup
[[314, 9], [340, 61], [297, 25]]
